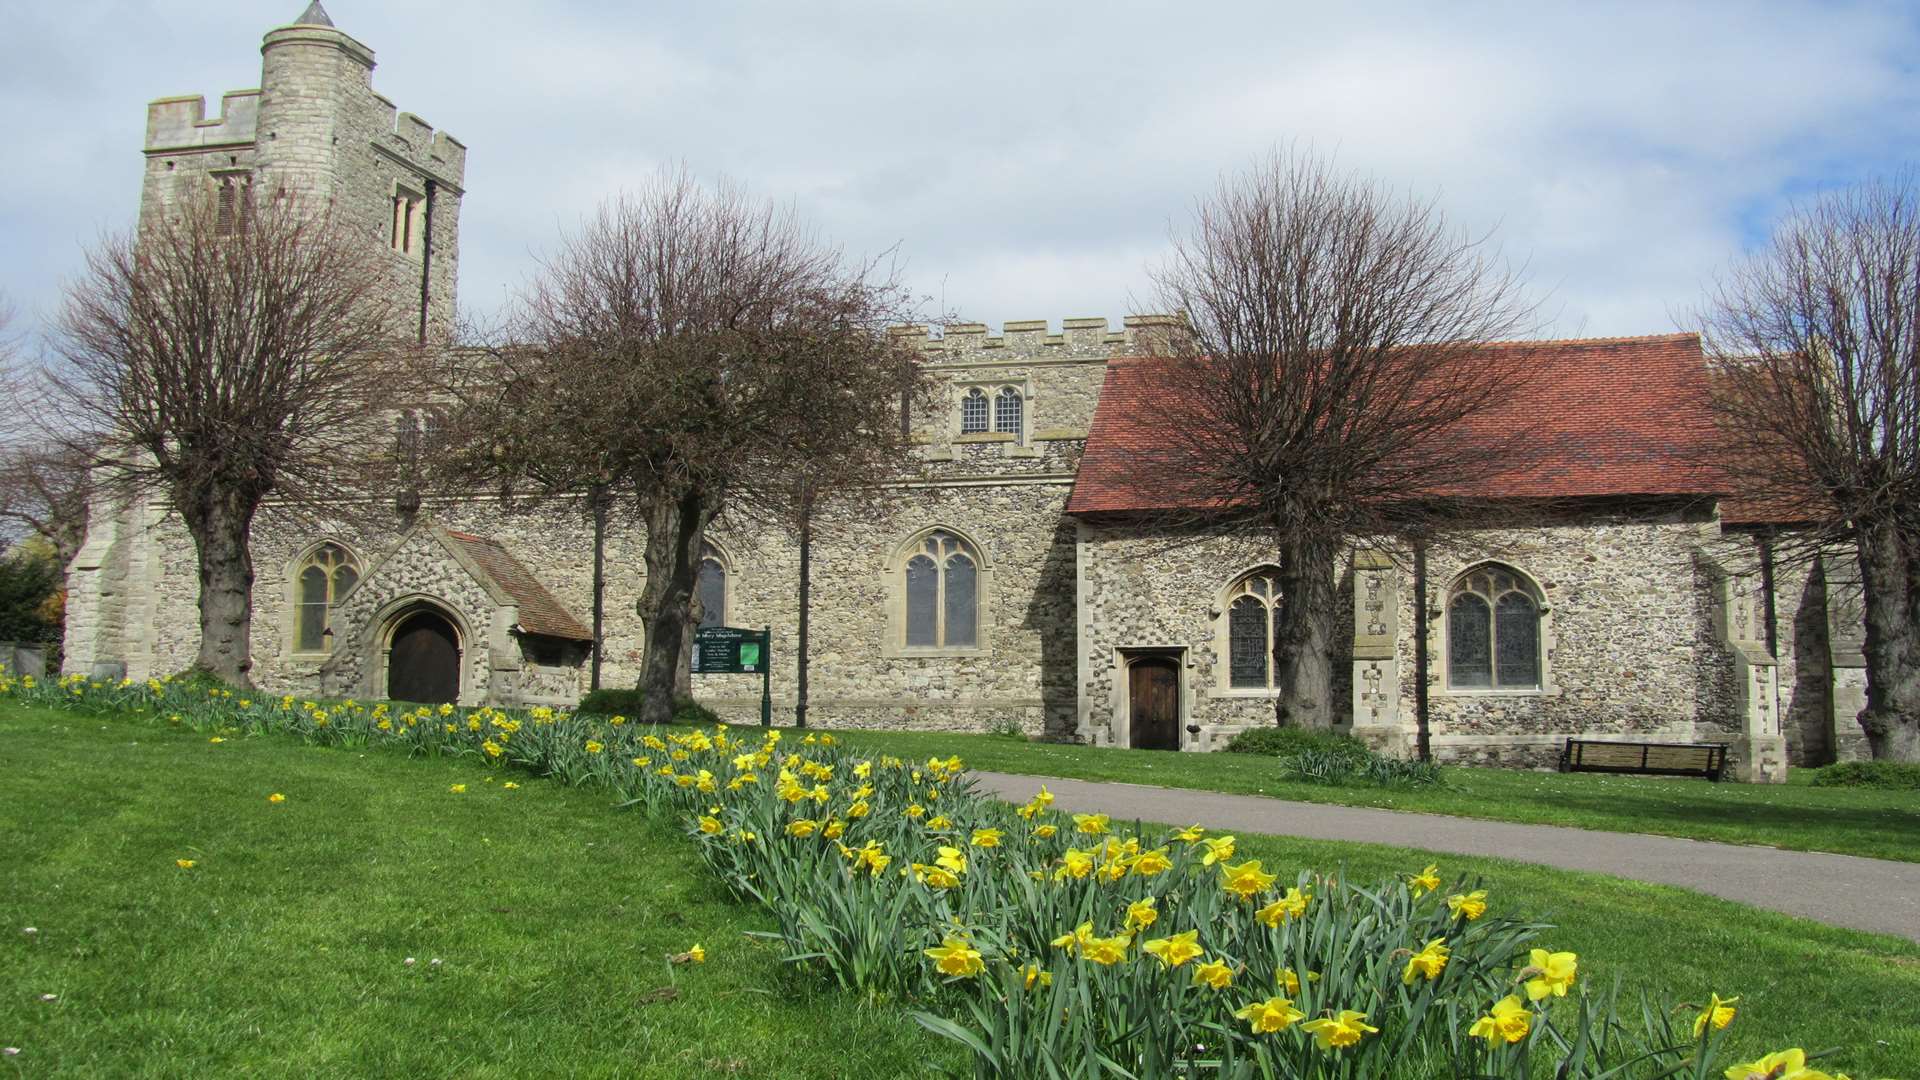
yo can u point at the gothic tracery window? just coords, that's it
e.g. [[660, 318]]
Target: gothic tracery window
[[1493, 631], [942, 593], [1007, 408], [323, 578], [711, 588], [973, 412], [1251, 604]]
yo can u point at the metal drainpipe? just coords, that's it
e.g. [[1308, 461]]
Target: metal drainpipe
[[426, 261], [1423, 737]]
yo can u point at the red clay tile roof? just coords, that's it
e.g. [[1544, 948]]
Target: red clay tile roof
[[1608, 417], [540, 613]]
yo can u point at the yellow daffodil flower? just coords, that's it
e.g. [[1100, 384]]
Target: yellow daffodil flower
[[1031, 975], [1469, 906], [511, 786], [1176, 950], [802, 827], [1719, 1012], [1424, 882], [1273, 1014], [1075, 938], [1344, 1029], [1141, 913], [1287, 978], [1291, 905], [1045, 832], [1214, 973], [986, 838], [1074, 864], [276, 798], [834, 829], [710, 825], [458, 789], [957, 957], [1219, 849], [952, 858], [594, 746], [1091, 824], [1106, 950], [185, 864], [1246, 880], [1509, 1020], [1428, 963], [1191, 834], [938, 824], [1552, 973], [1152, 862], [1779, 1065]]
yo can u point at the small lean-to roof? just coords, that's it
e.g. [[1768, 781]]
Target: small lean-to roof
[[1606, 417], [540, 613]]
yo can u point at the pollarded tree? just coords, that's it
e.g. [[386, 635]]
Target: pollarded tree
[[220, 360], [688, 348], [1334, 351], [1816, 339]]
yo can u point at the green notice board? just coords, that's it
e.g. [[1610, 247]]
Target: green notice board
[[729, 650]]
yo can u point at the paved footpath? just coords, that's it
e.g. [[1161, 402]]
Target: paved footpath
[[1845, 890]]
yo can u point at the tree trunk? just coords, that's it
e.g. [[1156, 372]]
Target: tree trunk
[[675, 526], [1890, 584], [598, 497], [1303, 634], [806, 593], [221, 524]]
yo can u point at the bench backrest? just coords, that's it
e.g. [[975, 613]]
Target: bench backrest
[[1683, 758]]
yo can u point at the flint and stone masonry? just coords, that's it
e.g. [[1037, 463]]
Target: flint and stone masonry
[[1655, 620]]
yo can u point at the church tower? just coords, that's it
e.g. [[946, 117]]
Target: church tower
[[317, 132]]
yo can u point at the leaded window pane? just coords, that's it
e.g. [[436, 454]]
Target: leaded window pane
[[1006, 411], [313, 609], [923, 585], [973, 412], [962, 597], [1248, 651], [711, 586], [1517, 640], [343, 581], [1469, 642]]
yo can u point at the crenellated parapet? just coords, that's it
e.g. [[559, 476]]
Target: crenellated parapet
[[406, 136], [177, 124], [1031, 339]]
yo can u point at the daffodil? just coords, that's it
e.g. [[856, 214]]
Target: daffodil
[[1106, 950], [185, 864], [1191, 834], [1428, 963], [1214, 973], [1219, 849], [1509, 1020], [1273, 1014], [1141, 913], [1469, 906], [1344, 1029], [276, 798], [956, 957], [1246, 880], [1424, 882], [1091, 824], [511, 786], [710, 825], [1152, 862], [1287, 978], [986, 838], [1291, 905], [1045, 831], [1719, 1012], [1032, 975], [1779, 1065], [802, 827], [1176, 950], [1073, 939], [697, 954], [458, 789], [1552, 973]]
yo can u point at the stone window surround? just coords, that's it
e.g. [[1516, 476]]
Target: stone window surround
[[404, 232], [1121, 722], [991, 387], [893, 582], [290, 618], [718, 554], [1437, 637], [1222, 649]]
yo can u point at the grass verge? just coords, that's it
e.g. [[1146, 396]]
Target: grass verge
[[282, 951], [1852, 821]]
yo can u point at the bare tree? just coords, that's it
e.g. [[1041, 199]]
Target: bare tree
[[1320, 393], [1816, 339], [219, 359], [44, 488], [687, 348]]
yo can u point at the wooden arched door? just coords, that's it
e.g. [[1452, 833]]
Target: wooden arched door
[[1153, 703], [424, 662]]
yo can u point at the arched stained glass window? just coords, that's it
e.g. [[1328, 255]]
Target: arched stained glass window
[[943, 594], [1007, 407], [1250, 608], [324, 577], [711, 588], [973, 412], [1493, 631]]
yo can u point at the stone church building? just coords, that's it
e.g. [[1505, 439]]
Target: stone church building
[[1021, 583]]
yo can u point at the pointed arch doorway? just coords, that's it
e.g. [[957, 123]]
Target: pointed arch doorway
[[423, 658]]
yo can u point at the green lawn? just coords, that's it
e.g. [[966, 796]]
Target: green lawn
[[1853, 821], [282, 952]]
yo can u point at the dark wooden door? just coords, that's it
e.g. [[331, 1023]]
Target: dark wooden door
[[424, 664], [1153, 703]]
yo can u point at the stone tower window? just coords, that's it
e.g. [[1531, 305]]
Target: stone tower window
[[1493, 631], [233, 202], [1007, 407], [1251, 604], [409, 218], [322, 579], [973, 412], [711, 588]]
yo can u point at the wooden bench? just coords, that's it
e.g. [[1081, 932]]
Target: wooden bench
[[1649, 759]]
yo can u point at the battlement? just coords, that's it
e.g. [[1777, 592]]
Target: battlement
[[1030, 339], [408, 137], [180, 123]]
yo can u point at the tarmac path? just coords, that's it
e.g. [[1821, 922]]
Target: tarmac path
[[1877, 895]]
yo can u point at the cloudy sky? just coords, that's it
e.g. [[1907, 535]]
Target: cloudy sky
[[1028, 158]]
